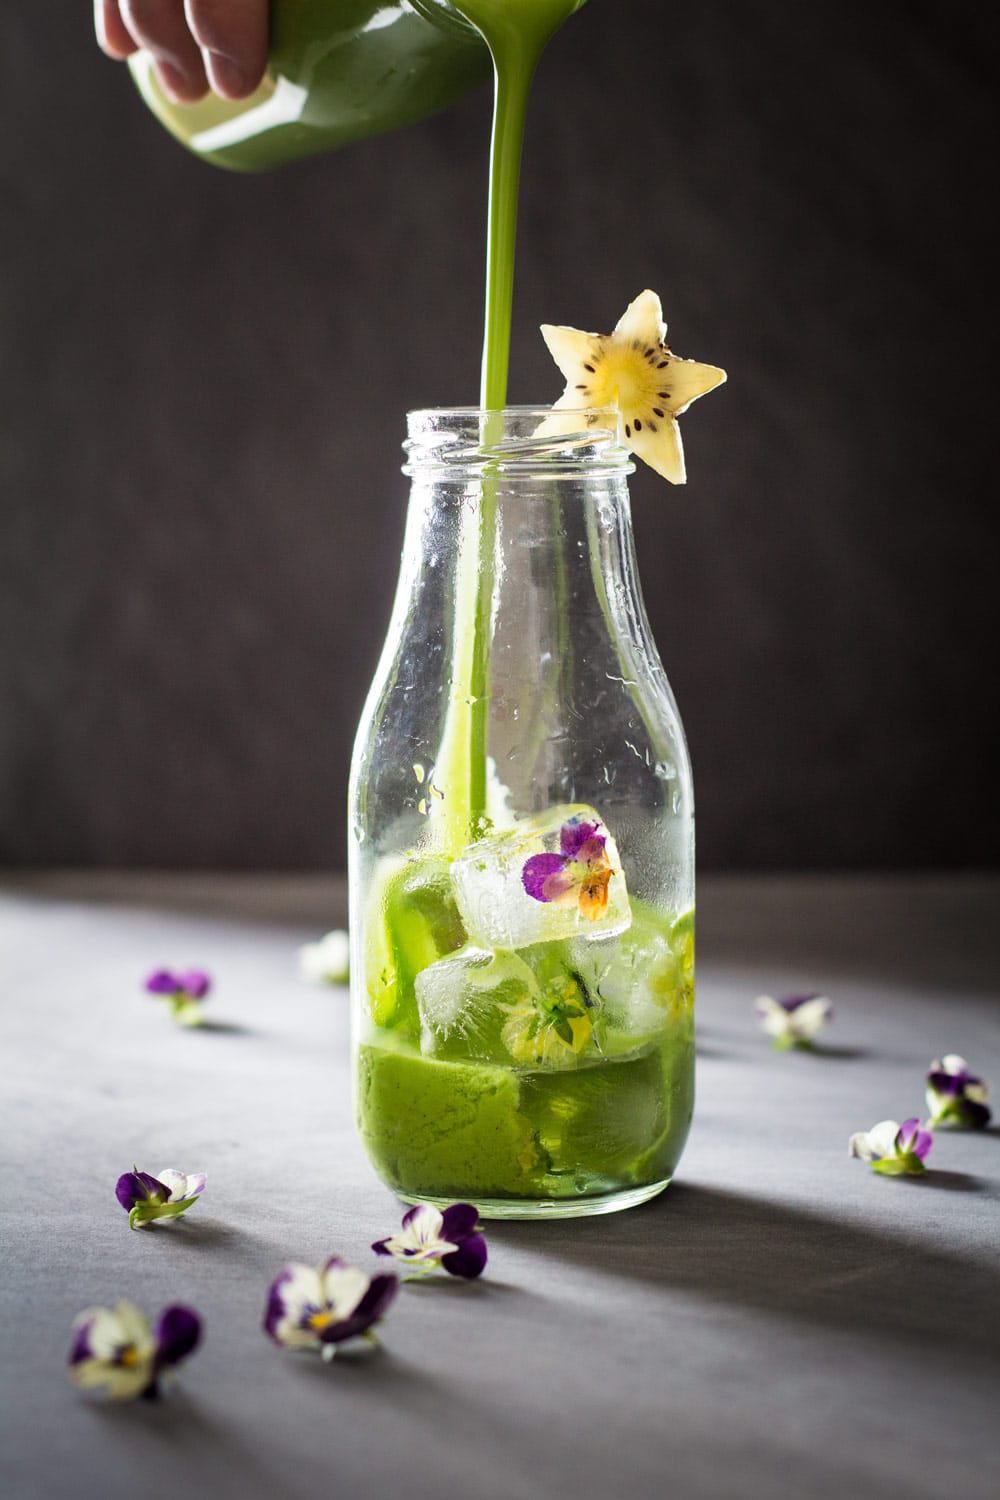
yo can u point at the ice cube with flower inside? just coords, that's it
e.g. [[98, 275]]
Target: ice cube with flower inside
[[115, 1350], [549, 877], [319, 1308], [955, 1096], [893, 1150], [166, 1196]]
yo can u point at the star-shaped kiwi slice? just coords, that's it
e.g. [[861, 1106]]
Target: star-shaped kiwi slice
[[635, 370]]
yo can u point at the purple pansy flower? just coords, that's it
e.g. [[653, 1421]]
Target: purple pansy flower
[[432, 1238], [115, 1349], [892, 1149], [185, 989], [165, 1196], [794, 1020], [310, 1307], [581, 870], [955, 1096]]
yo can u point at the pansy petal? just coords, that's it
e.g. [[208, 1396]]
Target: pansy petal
[[175, 1183], [163, 982], [860, 1146], [469, 1259], [907, 1133], [792, 1003], [952, 1063], [882, 1138], [344, 1288], [181, 1185], [103, 1331], [574, 834], [81, 1347], [538, 871], [129, 1190], [295, 1288], [811, 1016], [592, 852], [372, 1307], [177, 1332], [423, 1222], [922, 1143], [196, 982], [594, 894], [133, 1325], [458, 1221]]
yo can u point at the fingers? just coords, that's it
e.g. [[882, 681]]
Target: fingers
[[159, 26], [113, 36], [233, 36]]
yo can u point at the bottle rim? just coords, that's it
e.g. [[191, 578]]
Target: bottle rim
[[516, 441]]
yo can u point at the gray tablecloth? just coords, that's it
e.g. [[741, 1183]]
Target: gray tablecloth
[[780, 1323]]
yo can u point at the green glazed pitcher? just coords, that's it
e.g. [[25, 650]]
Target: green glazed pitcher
[[338, 71]]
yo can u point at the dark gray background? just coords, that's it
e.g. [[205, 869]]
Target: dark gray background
[[203, 386]]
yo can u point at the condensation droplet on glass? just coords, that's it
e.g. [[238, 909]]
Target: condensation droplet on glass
[[665, 770]]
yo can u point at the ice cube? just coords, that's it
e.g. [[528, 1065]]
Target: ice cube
[[601, 1121], [553, 876], [636, 980], [466, 1001]]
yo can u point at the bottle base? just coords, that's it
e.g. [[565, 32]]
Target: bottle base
[[553, 1208]]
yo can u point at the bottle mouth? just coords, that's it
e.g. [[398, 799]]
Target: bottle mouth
[[518, 441]]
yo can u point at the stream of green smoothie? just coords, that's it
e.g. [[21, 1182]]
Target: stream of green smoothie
[[516, 33]]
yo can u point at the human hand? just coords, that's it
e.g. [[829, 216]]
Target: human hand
[[195, 44]]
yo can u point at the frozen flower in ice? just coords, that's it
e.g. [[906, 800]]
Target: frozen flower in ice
[[794, 1020], [580, 872], [310, 1307], [184, 989], [894, 1150], [328, 961], [430, 1238], [635, 370], [552, 1027], [165, 1196], [115, 1349], [955, 1096]]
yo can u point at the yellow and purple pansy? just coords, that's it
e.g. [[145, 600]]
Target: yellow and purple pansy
[[431, 1237], [580, 872], [115, 1350], [321, 1307]]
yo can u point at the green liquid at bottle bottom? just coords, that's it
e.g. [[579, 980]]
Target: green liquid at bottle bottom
[[523, 1143], [475, 1095]]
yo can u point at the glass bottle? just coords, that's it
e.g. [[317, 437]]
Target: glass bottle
[[521, 838], [338, 71]]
